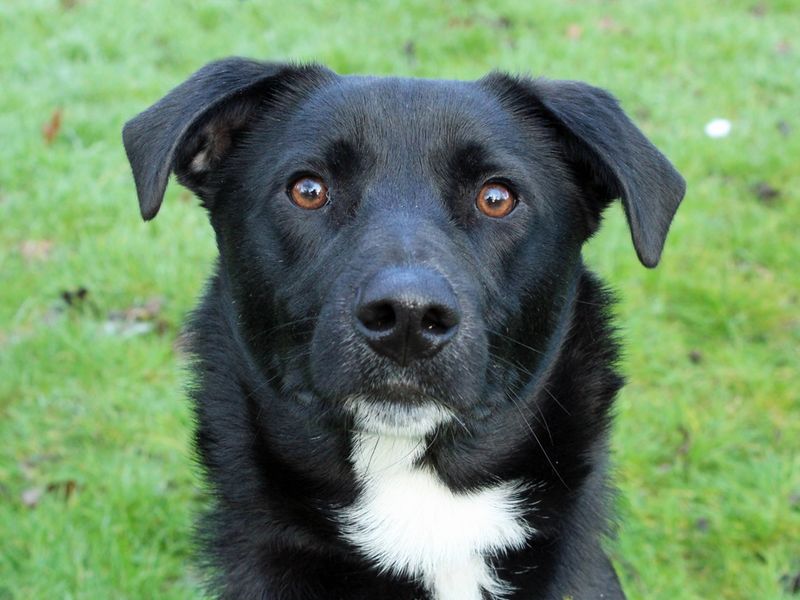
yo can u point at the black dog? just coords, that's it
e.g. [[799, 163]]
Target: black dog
[[404, 371]]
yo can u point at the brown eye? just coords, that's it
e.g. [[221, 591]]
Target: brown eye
[[309, 192], [496, 200]]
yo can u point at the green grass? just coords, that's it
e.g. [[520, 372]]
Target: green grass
[[707, 443]]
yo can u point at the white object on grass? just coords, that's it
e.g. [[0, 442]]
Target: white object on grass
[[718, 128]]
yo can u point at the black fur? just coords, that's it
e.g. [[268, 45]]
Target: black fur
[[531, 373]]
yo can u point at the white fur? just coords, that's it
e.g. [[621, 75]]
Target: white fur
[[393, 420], [409, 522], [200, 162]]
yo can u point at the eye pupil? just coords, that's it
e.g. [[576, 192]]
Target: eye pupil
[[310, 188], [309, 193], [495, 196], [496, 200]]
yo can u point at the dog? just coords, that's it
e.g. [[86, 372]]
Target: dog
[[403, 370]]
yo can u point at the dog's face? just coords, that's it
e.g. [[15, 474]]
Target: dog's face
[[389, 221], [400, 251]]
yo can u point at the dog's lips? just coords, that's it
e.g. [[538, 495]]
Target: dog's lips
[[398, 410], [399, 393]]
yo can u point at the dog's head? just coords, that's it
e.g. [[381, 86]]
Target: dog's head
[[400, 249]]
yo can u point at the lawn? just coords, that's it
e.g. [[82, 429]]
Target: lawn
[[97, 483]]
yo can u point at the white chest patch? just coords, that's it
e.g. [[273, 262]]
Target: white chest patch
[[410, 523]]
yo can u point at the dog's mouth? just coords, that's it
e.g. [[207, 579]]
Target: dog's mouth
[[398, 410]]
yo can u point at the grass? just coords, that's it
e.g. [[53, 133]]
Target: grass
[[97, 485]]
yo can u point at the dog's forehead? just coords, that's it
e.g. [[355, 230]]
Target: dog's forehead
[[414, 97], [402, 109]]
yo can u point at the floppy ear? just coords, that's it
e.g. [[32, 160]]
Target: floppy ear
[[191, 129], [609, 150]]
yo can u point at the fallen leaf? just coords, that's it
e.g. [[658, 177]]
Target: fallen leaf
[[75, 297], [766, 193], [609, 24], [410, 51], [31, 497], [147, 311], [574, 32], [126, 329], [460, 22], [53, 126], [35, 250], [137, 320], [502, 22], [67, 488]]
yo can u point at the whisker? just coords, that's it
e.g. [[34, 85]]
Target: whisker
[[510, 339], [278, 327], [372, 454], [514, 365], [549, 393], [454, 412], [266, 382], [536, 438], [400, 460], [541, 420], [529, 374]]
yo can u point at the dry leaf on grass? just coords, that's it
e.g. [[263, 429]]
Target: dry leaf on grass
[[574, 32], [766, 193], [609, 24], [31, 496], [53, 126], [137, 320], [75, 297], [36, 250], [66, 489]]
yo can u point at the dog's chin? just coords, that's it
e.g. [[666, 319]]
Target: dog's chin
[[389, 417]]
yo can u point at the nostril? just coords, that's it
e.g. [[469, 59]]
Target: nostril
[[438, 320], [405, 313], [377, 316]]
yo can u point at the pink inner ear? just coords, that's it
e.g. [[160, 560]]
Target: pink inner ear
[[216, 141], [200, 162]]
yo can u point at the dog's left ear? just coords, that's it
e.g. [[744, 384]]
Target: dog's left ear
[[193, 128], [609, 150]]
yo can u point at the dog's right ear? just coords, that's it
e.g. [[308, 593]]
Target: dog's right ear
[[191, 129], [610, 155]]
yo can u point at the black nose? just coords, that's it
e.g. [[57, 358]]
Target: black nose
[[407, 313]]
